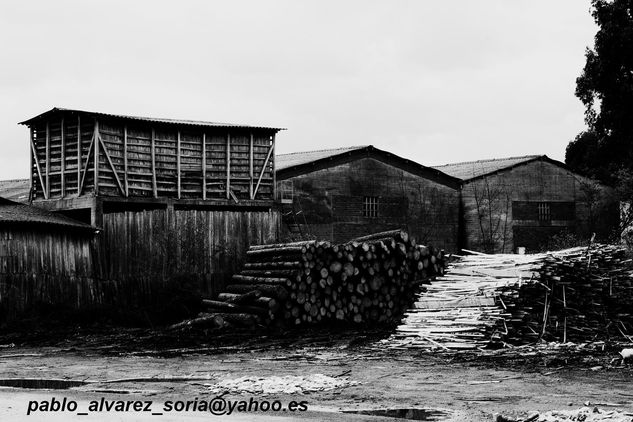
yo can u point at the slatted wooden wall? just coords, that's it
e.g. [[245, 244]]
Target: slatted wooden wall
[[44, 266], [146, 248], [130, 261], [136, 159], [62, 148]]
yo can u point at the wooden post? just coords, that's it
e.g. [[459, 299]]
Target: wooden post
[[96, 157], [228, 166], [48, 159], [78, 155], [96, 213], [204, 166], [154, 185], [125, 181], [250, 168], [178, 162], [63, 163], [274, 189]]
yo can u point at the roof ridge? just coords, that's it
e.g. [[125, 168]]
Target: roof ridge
[[488, 160], [136, 117], [327, 149], [164, 120]]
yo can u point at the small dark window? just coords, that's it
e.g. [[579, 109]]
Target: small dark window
[[285, 192], [544, 211], [370, 206]]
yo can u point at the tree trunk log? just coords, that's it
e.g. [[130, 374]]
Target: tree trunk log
[[277, 292]]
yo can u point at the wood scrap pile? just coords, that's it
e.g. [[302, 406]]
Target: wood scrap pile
[[374, 278], [576, 294], [589, 413], [288, 384], [579, 295], [460, 311]]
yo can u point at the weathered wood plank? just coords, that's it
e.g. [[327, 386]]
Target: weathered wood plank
[[83, 176], [261, 174], [114, 172]]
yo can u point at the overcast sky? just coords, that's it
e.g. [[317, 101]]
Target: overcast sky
[[436, 82]]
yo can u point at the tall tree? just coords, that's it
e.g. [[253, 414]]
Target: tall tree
[[605, 87]]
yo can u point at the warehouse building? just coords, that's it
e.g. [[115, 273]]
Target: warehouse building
[[508, 203], [340, 194], [45, 258]]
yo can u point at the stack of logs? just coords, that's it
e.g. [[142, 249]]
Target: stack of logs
[[374, 278]]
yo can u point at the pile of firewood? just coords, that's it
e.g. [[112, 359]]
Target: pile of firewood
[[578, 296], [370, 279]]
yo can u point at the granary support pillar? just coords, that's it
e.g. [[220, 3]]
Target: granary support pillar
[[96, 213]]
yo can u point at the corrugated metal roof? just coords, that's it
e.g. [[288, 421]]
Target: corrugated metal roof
[[147, 119], [15, 213], [15, 190], [283, 161], [472, 169]]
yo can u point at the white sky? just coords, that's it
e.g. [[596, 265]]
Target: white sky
[[436, 82]]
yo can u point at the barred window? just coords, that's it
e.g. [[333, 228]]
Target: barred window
[[370, 206], [544, 212]]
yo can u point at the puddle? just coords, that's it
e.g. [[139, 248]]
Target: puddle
[[38, 383], [415, 414]]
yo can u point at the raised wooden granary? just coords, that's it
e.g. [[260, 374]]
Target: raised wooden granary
[[81, 160], [169, 197]]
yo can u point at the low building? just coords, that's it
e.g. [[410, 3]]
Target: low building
[[45, 259], [515, 202], [17, 190], [340, 194]]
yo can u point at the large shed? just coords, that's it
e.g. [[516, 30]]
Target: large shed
[[524, 201], [45, 258], [172, 197], [342, 193]]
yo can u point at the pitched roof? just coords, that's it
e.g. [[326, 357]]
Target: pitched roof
[[14, 213], [473, 169], [15, 190], [60, 110], [283, 161], [294, 164]]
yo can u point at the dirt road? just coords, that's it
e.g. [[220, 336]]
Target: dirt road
[[462, 390]]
